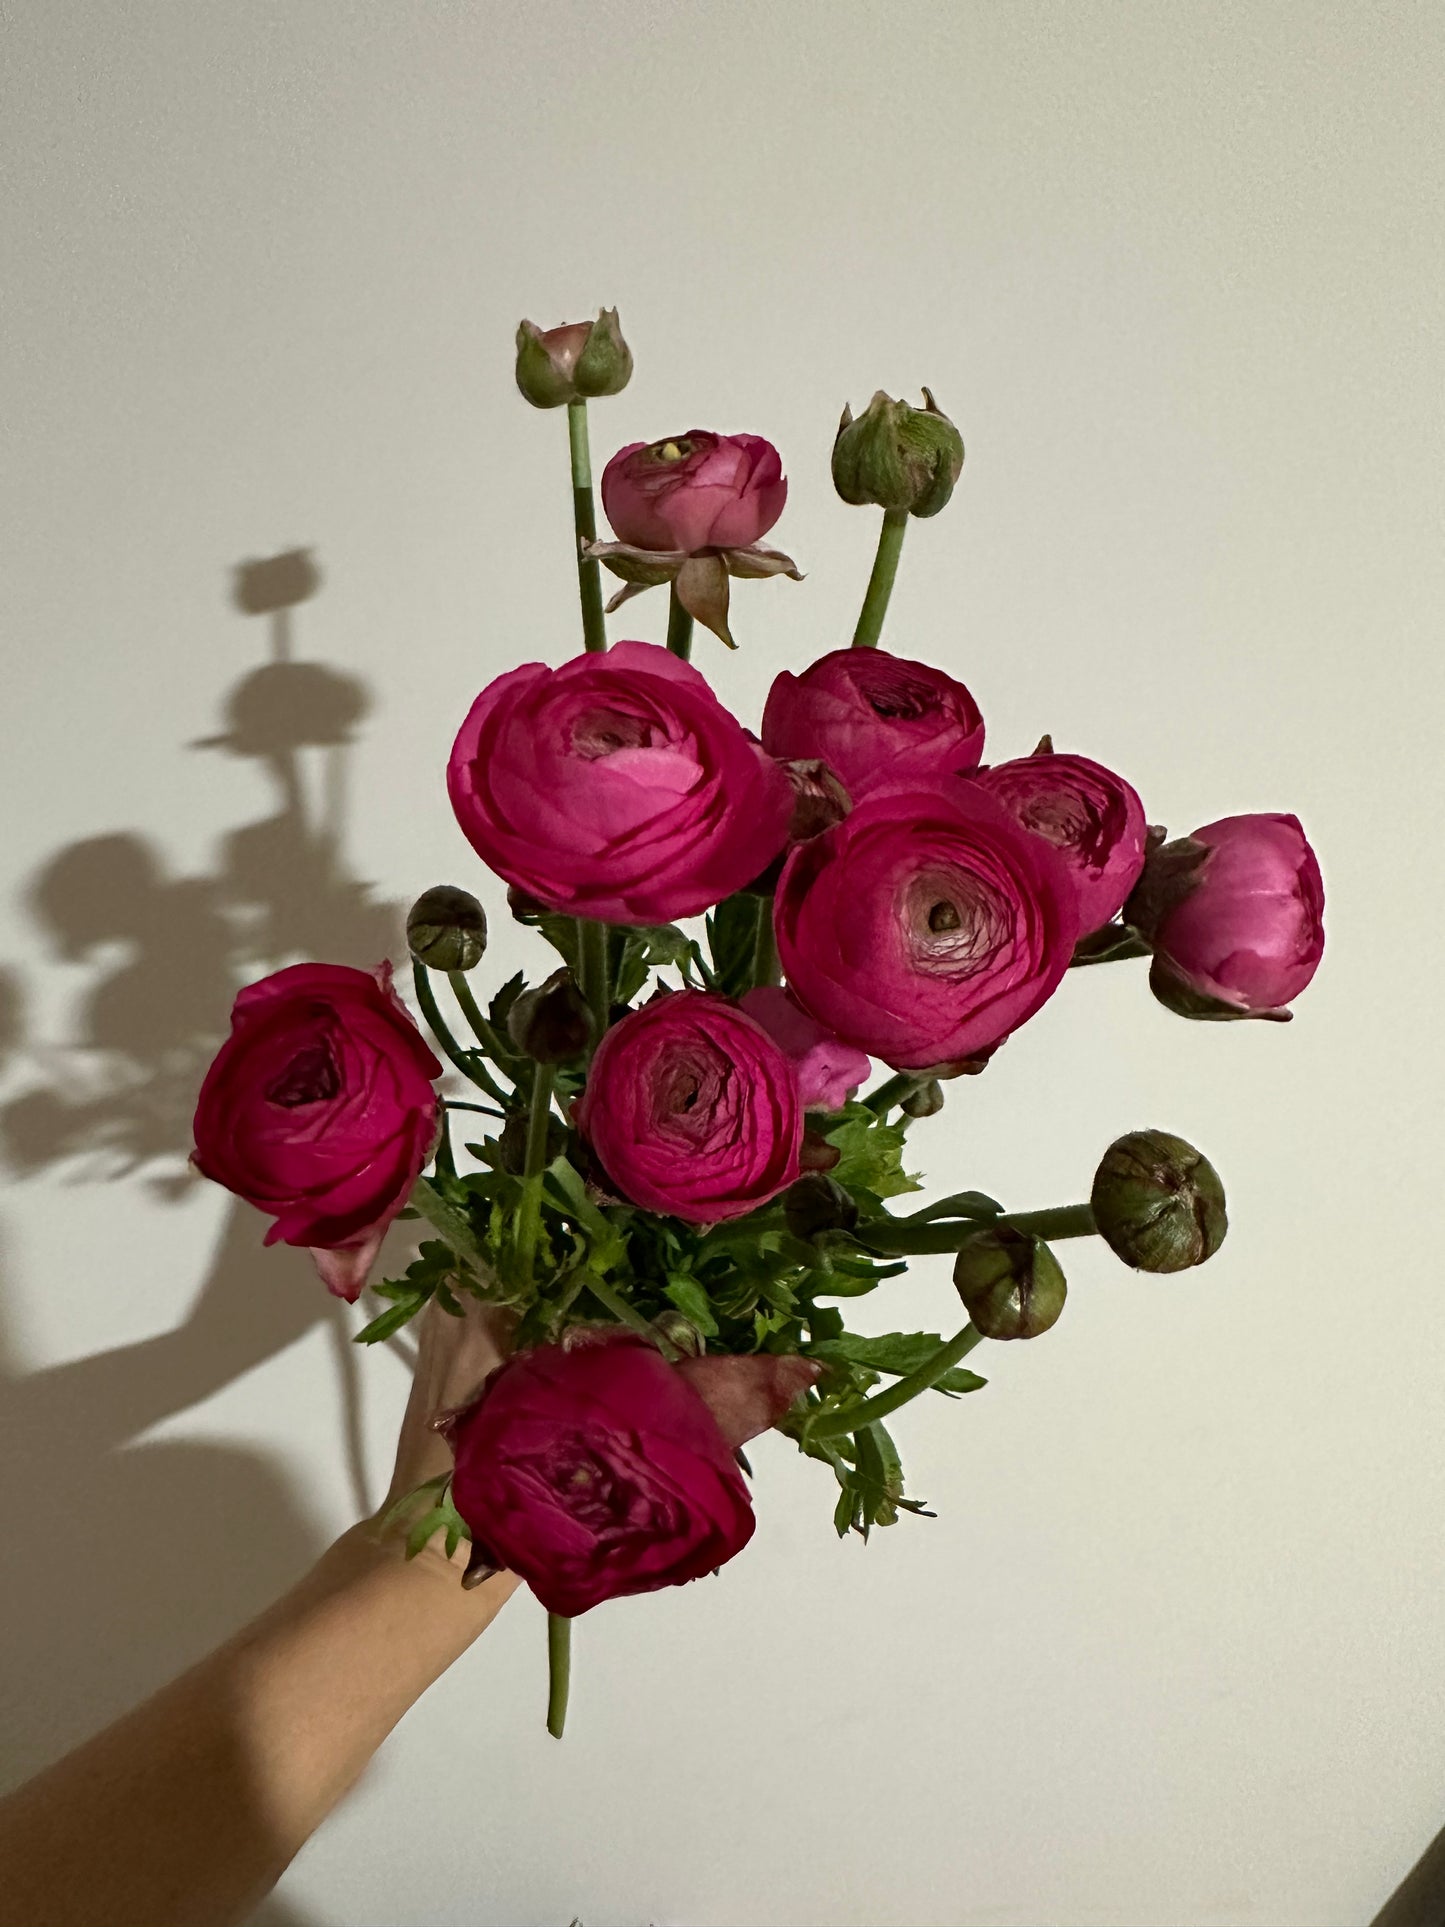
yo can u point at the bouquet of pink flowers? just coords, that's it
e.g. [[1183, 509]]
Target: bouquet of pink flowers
[[678, 1189]]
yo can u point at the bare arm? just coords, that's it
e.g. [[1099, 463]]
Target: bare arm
[[188, 1809]]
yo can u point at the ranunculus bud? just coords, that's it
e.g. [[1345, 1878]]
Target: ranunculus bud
[[1093, 818], [926, 926], [1158, 1203], [616, 787], [874, 718], [573, 362], [818, 1203], [1235, 914], [446, 929], [694, 491], [898, 456], [1010, 1282], [692, 1109], [926, 1101], [551, 1022]]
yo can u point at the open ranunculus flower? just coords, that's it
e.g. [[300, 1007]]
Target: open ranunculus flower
[[693, 1109], [694, 491], [926, 925], [319, 1109], [616, 787], [598, 1469], [874, 718], [1092, 817]]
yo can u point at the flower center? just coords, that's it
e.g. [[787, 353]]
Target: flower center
[[955, 925], [671, 450], [602, 732], [901, 700], [310, 1078], [944, 916]]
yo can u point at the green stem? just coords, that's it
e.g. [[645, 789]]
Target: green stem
[[584, 518], [629, 1315], [484, 1032], [442, 1217], [529, 1209], [880, 583], [467, 1062], [766, 969], [911, 1239], [596, 977], [902, 1084], [559, 1671], [679, 626], [834, 1424]]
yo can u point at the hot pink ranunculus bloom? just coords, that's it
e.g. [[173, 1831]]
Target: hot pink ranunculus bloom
[[616, 787], [926, 926], [595, 1470], [693, 1109], [874, 718], [1249, 929], [320, 1110], [694, 491], [829, 1071], [1092, 817]]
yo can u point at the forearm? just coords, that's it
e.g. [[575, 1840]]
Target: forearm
[[188, 1809]]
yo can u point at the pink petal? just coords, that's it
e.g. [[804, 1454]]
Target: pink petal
[[747, 1395]]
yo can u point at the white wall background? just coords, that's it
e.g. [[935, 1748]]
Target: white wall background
[[1172, 1650]]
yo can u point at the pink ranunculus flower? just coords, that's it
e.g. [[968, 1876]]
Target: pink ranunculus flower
[[874, 718], [692, 1109], [1245, 926], [1093, 818], [595, 1469], [926, 926], [694, 491], [320, 1109], [616, 787], [829, 1071]]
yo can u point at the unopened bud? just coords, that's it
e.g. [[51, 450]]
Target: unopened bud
[[446, 929], [926, 1101], [1010, 1282], [526, 909], [818, 1203], [1158, 1203], [898, 456], [574, 362], [551, 1023]]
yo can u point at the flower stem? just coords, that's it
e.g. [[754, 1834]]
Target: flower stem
[[484, 1032], [596, 977], [467, 1062], [834, 1424], [911, 1239], [766, 969], [559, 1671], [679, 626], [584, 518], [880, 583], [902, 1084], [529, 1209]]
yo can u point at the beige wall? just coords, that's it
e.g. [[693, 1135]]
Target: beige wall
[[1173, 1649]]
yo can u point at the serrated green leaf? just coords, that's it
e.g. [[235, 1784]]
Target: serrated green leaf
[[446, 1299], [427, 1491], [387, 1322], [897, 1353], [732, 937], [561, 933], [870, 1164], [692, 1301], [443, 1517], [501, 1004], [845, 1513]]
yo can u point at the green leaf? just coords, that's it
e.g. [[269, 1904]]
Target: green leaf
[[692, 1301], [501, 1004], [732, 937], [388, 1322], [429, 1489], [963, 1204], [648, 947], [443, 1517], [897, 1353], [871, 1160], [561, 933]]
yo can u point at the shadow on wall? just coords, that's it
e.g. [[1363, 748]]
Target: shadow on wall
[[127, 1560]]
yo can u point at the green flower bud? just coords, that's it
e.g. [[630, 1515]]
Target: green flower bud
[[926, 1101], [446, 929], [1010, 1282], [551, 1023], [574, 362], [898, 456], [817, 1203], [1158, 1203]]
